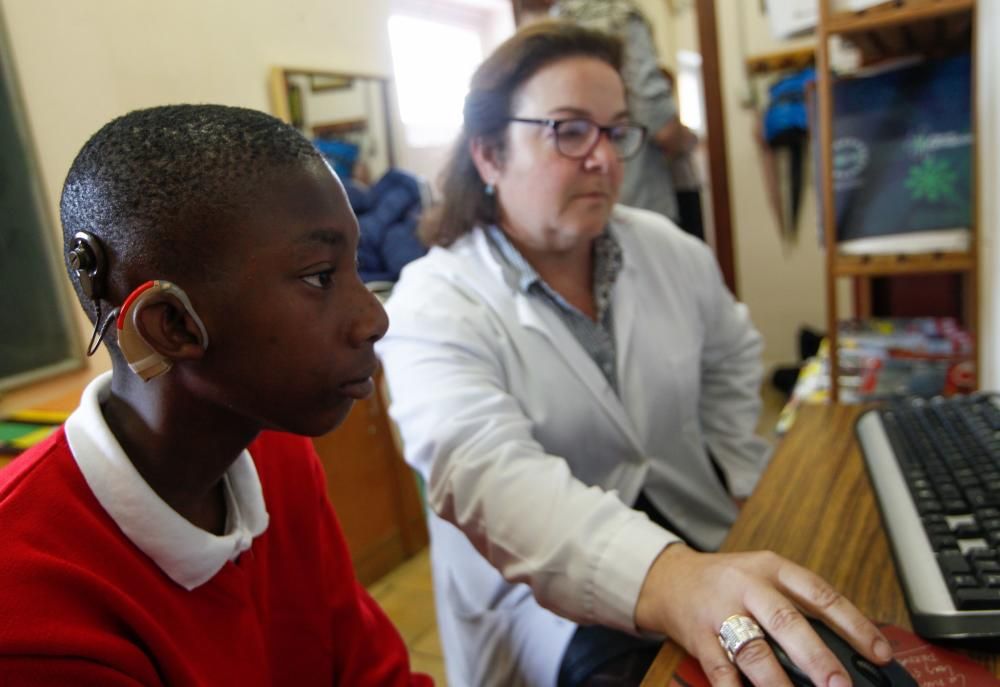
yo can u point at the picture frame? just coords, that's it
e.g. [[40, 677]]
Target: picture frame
[[329, 82]]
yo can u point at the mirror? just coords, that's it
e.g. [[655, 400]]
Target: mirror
[[347, 116], [349, 119]]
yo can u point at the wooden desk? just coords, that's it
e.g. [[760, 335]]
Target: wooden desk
[[64, 402], [815, 506]]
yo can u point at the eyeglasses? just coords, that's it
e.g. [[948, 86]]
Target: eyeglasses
[[577, 137]]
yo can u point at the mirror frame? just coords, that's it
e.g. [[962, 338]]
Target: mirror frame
[[278, 87]]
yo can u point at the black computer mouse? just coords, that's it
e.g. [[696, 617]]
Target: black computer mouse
[[863, 673]]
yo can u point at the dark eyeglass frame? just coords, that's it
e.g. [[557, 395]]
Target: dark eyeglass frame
[[554, 124]]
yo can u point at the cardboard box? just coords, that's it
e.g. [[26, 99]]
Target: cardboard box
[[792, 18]]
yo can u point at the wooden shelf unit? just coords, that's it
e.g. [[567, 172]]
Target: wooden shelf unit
[[902, 263], [890, 15], [781, 60], [882, 26]]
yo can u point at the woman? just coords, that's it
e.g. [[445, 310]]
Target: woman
[[556, 359]]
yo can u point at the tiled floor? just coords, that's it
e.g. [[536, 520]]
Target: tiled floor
[[407, 594], [774, 401]]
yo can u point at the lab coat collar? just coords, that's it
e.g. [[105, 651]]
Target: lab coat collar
[[542, 319]]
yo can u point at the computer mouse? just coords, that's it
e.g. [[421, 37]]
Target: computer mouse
[[863, 673]]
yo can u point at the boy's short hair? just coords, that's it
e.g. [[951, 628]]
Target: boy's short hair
[[156, 185]]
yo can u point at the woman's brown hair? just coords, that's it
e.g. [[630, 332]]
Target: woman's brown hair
[[487, 110]]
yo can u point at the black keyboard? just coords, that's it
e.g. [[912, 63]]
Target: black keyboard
[[935, 468]]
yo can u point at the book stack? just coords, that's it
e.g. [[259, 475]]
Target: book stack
[[888, 358], [23, 429]]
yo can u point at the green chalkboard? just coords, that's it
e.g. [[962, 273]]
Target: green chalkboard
[[37, 336]]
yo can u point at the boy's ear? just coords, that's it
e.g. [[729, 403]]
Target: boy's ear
[[487, 159], [168, 328], [157, 326]]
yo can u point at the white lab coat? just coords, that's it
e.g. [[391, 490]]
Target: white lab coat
[[529, 454]]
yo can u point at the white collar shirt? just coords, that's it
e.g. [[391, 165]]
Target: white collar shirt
[[187, 554]]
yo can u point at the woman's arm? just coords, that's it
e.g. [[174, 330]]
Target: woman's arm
[[731, 374], [580, 549]]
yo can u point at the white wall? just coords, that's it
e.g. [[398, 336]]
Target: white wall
[[80, 64], [781, 282]]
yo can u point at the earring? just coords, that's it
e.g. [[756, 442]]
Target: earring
[[490, 189]]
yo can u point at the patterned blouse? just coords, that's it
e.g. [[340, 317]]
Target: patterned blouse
[[597, 336]]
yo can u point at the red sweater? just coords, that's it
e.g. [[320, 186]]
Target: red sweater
[[81, 605]]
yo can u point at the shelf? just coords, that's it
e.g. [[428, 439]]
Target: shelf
[[903, 263], [781, 60], [339, 129], [892, 16], [929, 28], [933, 29]]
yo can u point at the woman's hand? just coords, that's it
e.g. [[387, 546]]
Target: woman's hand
[[687, 595], [675, 139]]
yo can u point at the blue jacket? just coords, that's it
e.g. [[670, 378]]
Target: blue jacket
[[388, 213]]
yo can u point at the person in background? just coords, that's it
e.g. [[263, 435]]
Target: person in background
[[171, 533], [687, 180], [579, 391]]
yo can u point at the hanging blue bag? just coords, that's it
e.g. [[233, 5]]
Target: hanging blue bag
[[786, 117]]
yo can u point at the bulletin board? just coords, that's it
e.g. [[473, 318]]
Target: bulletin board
[[37, 333]]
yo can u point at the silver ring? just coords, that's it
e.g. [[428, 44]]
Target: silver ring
[[736, 632]]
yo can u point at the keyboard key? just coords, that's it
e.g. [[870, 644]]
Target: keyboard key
[[977, 599], [986, 567], [943, 542], [964, 581], [953, 563], [948, 491], [968, 482], [929, 506], [990, 524], [980, 498], [971, 547], [968, 530], [938, 528], [965, 474]]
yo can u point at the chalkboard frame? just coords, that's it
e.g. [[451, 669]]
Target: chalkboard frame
[[53, 269]]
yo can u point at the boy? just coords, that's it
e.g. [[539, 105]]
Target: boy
[[163, 536]]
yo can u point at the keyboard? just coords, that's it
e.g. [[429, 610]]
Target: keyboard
[[935, 469]]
